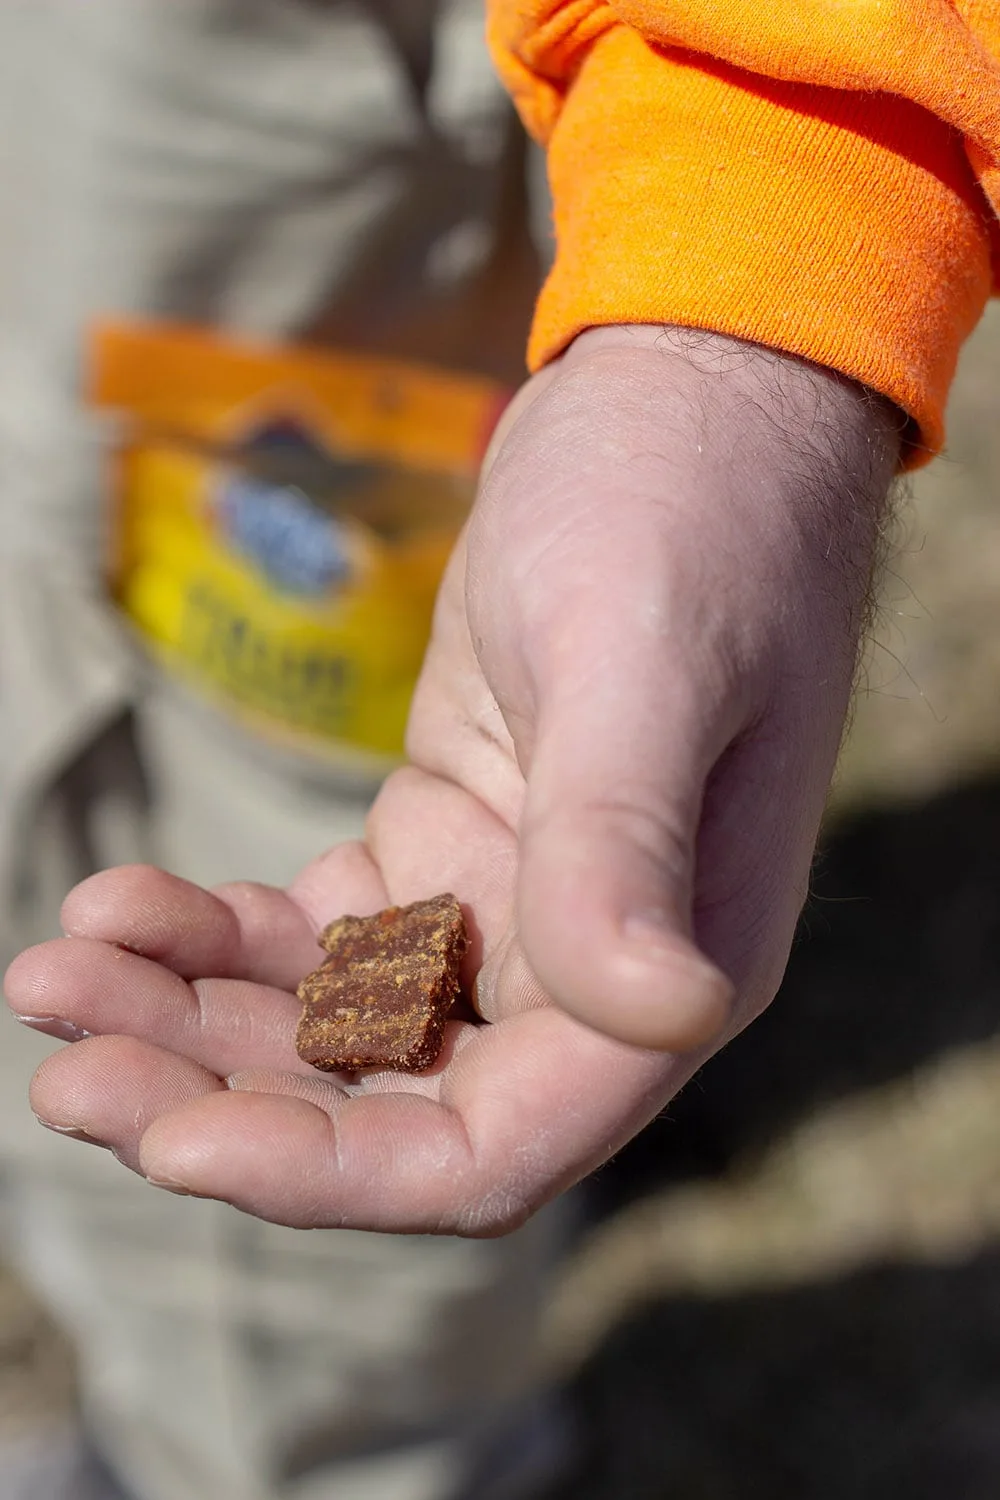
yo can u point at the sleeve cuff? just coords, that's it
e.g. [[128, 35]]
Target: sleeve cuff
[[844, 227]]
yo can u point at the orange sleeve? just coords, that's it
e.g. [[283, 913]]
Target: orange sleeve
[[818, 177]]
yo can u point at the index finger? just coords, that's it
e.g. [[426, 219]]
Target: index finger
[[240, 931]]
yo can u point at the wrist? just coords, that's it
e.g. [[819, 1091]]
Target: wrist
[[803, 455], [722, 369]]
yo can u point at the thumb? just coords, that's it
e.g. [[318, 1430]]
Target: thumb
[[615, 785]]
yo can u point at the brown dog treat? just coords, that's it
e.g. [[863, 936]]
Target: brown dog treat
[[382, 997]]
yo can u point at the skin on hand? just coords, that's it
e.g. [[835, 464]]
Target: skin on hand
[[620, 749]]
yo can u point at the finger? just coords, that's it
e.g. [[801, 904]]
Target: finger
[[242, 931], [110, 1089], [526, 1109], [286, 1159], [505, 985], [343, 880], [475, 854], [615, 789], [78, 986]]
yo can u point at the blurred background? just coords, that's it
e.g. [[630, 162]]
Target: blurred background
[[789, 1286]]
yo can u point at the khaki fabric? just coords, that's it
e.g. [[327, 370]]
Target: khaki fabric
[[274, 166]]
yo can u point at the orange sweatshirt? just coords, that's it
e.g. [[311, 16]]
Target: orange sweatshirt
[[821, 176]]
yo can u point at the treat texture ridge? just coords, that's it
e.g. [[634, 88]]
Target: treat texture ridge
[[383, 995]]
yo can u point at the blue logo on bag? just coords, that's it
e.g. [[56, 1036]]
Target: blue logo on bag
[[298, 544], [299, 547]]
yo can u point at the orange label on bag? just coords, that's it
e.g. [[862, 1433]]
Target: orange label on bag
[[282, 521]]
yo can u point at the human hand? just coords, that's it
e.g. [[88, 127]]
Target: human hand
[[620, 749]]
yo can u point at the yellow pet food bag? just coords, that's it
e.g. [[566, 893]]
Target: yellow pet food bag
[[281, 521]]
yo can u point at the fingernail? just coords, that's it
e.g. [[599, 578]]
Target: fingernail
[[63, 1031], [72, 1132], [701, 997], [177, 1188]]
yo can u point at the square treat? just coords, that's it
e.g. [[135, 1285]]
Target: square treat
[[382, 997]]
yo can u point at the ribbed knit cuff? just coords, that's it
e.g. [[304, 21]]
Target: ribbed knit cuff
[[847, 228]]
